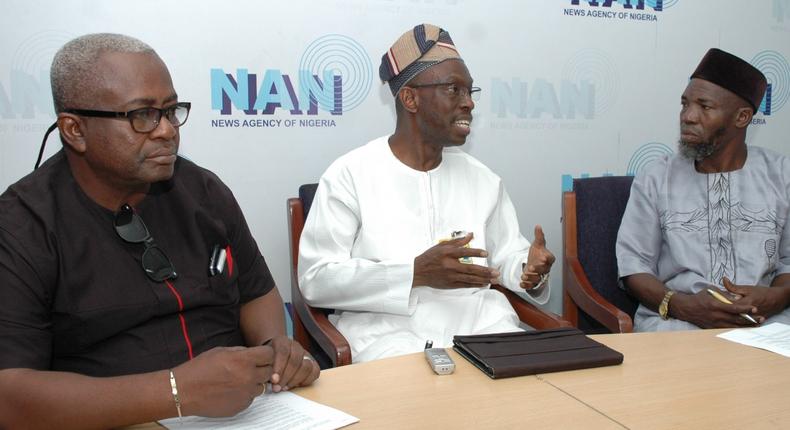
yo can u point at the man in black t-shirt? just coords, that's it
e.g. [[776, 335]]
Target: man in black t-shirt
[[131, 289]]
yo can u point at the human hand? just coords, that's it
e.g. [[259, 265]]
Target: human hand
[[766, 301], [223, 381], [438, 267], [705, 311], [293, 366], [539, 261]]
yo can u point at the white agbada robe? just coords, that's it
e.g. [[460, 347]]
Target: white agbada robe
[[372, 215], [691, 229]]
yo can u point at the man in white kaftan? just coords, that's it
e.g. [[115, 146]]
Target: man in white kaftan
[[378, 243], [370, 217]]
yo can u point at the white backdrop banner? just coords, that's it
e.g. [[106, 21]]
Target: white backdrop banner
[[571, 88]]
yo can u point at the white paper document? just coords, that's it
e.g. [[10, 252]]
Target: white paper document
[[773, 337], [272, 411]]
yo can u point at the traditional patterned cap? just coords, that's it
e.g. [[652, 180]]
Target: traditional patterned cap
[[733, 74], [416, 50]]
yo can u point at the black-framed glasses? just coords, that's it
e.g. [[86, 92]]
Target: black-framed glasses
[[131, 228], [453, 90], [143, 120]]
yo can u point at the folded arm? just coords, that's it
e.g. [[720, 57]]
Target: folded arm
[[700, 309]]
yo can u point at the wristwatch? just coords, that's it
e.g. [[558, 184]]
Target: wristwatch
[[663, 308]]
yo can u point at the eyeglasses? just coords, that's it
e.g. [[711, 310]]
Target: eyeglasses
[[131, 228], [143, 120], [453, 90]]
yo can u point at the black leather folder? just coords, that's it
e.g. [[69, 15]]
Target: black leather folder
[[503, 355]]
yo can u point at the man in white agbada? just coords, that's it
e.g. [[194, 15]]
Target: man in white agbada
[[377, 243], [715, 216]]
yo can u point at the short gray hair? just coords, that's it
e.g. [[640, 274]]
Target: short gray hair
[[73, 69]]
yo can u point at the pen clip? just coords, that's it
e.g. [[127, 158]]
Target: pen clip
[[217, 259]]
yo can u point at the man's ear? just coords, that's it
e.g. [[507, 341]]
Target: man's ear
[[71, 131], [743, 117], [409, 99]]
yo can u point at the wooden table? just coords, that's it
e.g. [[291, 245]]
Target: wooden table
[[688, 380], [402, 392], [669, 380]]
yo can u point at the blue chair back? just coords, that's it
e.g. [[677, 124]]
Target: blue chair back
[[306, 194], [600, 204]]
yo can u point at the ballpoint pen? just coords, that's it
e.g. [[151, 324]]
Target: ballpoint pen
[[723, 299]]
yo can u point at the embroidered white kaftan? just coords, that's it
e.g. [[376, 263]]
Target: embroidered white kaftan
[[691, 229]]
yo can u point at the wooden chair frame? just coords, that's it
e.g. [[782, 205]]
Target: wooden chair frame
[[576, 287], [309, 322]]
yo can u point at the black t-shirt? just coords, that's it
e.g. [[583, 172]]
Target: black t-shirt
[[74, 296]]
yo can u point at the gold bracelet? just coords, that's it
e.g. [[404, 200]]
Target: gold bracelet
[[174, 388]]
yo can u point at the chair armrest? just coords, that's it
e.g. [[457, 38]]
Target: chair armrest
[[578, 287], [326, 335], [531, 314], [311, 323]]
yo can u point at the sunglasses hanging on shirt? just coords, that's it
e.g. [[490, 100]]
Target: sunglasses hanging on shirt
[[131, 228]]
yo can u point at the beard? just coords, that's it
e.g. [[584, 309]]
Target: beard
[[702, 150]]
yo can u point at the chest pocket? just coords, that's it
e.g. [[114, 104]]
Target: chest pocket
[[757, 253], [759, 234], [223, 275]]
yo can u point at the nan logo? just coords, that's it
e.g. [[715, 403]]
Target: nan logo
[[335, 75], [643, 156], [781, 10], [656, 5], [27, 93], [633, 10], [777, 71], [589, 87]]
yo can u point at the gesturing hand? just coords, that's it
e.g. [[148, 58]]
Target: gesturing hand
[[539, 261], [438, 267]]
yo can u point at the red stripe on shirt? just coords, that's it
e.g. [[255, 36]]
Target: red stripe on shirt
[[181, 317], [186, 335], [229, 258]]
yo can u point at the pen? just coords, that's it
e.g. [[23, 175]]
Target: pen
[[723, 299]]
